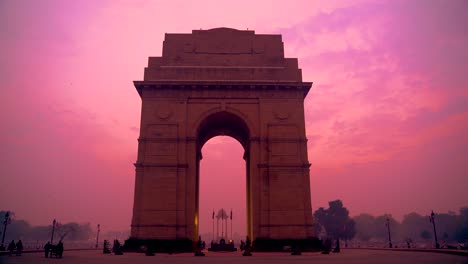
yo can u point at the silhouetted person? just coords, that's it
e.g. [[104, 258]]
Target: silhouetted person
[[11, 247], [199, 243], [337, 246], [327, 246], [117, 250], [106, 249], [247, 248], [59, 249], [19, 248], [150, 250], [242, 245], [296, 249], [199, 252], [47, 249]]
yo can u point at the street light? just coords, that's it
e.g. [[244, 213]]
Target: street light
[[389, 237], [433, 225], [5, 223], [97, 236], [53, 230]]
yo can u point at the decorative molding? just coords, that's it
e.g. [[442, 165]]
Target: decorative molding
[[281, 114], [167, 165], [284, 165], [271, 87], [153, 225]]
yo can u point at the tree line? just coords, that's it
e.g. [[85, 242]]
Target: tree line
[[21, 229], [334, 222]]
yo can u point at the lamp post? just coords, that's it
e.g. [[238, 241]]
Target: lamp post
[[5, 223], [435, 233], [222, 225], [53, 230], [97, 236], [212, 220], [231, 225], [217, 228], [389, 237]]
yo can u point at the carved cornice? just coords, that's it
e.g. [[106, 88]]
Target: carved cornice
[[223, 85], [192, 139], [284, 165], [167, 165], [163, 139], [287, 225], [154, 225], [284, 140]]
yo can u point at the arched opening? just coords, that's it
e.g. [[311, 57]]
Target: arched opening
[[231, 175], [222, 185]]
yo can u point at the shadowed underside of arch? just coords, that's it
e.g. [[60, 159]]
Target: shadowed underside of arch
[[223, 124], [221, 82]]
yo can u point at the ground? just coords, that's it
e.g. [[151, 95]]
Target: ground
[[346, 256]]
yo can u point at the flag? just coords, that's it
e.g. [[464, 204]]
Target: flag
[[231, 214]]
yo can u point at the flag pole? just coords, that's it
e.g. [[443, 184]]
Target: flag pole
[[231, 226], [212, 220]]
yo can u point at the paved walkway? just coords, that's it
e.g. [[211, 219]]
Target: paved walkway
[[346, 256]]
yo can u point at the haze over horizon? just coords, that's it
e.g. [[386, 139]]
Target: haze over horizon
[[387, 115]]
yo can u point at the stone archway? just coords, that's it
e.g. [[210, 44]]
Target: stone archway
[[227, 124], [209, 83]]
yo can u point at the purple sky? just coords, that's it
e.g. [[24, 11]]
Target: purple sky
[[387, 116]]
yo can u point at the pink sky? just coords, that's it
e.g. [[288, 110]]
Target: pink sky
[[387, 116]]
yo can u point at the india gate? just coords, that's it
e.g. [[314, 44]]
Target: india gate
[[215, 82]]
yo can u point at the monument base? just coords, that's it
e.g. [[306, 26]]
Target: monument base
[[282, 245], [222, 247], [159, 245]]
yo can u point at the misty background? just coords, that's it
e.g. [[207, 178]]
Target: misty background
[[363, 230]]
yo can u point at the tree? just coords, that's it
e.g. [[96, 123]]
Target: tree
[[426, 235], [365, 227], [412, 225], [336, 221], [349, 230], [461, 232], [381, 230], [74, 231], [18, 228]]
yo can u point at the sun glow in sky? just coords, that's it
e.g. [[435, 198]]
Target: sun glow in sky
[[387, 116]]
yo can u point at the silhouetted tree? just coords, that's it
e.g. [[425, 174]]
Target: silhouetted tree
[[412, 225], [336, 221], [426, 235], [318, 230], [365, 227], [22, 229], [461, 231], [381, 231]]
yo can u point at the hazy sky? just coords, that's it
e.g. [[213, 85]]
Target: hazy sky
[[387, 116]]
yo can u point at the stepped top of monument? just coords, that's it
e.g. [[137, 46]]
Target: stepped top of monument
[[223, 55]]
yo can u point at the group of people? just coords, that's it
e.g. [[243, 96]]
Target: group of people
[[49, 249], [18, 246], [53, 250]]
